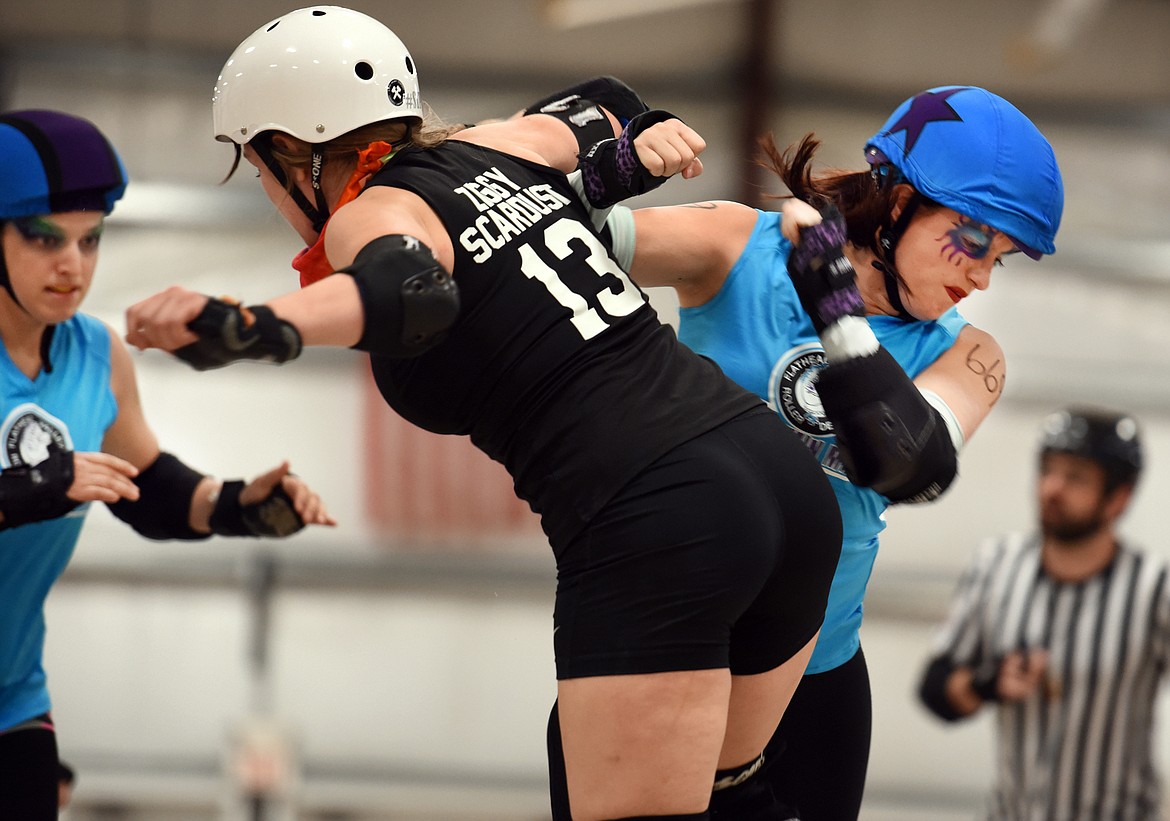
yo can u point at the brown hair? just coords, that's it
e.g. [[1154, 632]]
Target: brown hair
[[866, 204]]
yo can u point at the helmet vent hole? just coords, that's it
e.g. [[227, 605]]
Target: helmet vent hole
[[318, 13], [409, 65], [274, 25], [364, 70]]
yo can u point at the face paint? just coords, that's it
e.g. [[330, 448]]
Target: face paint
[[39, 229], [968, 238], [48, 234]]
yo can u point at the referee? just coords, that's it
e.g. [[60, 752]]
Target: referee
[[1068, 631]]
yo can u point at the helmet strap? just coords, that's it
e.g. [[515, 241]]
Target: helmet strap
[[888, 238], [318, 166], [317, 215], [46, 344], [47, 335], [4, 280]]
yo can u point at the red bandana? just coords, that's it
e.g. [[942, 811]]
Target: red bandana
[[311, 262]]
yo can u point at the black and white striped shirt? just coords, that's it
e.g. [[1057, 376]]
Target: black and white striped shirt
[[1080, 748]]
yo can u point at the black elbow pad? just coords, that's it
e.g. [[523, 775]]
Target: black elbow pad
[[890, 438], [408, 299], [617, 97]]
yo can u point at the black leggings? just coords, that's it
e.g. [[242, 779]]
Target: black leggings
[[28, 771], [819, 754]]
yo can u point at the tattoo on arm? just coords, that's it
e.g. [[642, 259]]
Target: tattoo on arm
[[992, 374], [702, 206]]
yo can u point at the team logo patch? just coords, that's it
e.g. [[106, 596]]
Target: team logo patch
[[399, 96], [396, 92], [28, 433], [792, 392]]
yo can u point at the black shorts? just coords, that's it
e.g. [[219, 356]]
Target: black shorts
[[719, 554]]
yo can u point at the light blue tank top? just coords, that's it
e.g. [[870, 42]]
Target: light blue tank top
[[72, 406], [757, 331]]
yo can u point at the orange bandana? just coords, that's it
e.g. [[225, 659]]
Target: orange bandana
[[311, 262]]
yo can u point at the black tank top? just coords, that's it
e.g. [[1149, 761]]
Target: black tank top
[[557, 367]]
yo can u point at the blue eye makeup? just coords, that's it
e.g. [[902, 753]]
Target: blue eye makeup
[[969, 238]]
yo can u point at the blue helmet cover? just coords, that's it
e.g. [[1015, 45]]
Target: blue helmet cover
[[973, 151], [52, 162]]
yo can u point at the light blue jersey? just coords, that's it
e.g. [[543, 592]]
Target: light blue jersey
[[72, 407], [757, 331]]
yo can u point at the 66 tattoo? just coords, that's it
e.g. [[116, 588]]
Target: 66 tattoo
[[993, 375]]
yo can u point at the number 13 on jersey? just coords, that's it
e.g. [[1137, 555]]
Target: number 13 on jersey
[[588, 322]]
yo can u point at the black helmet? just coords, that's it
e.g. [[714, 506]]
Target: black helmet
[[1107, 437]]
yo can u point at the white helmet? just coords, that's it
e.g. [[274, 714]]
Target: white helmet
[[315, 73]]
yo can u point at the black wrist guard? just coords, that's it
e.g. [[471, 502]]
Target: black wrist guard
[[932, 690], [229, 332], [273, 515], [611, 170], [822, 275], [615, 96], [36, 493], [985, 680]]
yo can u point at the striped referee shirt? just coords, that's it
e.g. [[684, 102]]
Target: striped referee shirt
[[1080, 748]]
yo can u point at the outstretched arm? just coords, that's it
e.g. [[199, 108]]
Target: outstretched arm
[[690, 248], [393, 278], [385, 242], [172, 501]]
